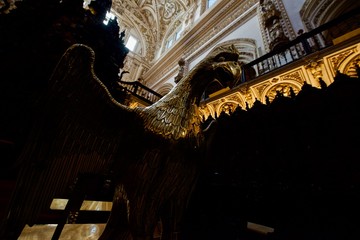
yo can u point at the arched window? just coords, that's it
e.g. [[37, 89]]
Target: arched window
[[131, 43], [166, 88], [210, 3], [173, 37]]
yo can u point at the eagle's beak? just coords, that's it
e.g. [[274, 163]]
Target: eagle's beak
[[228, 71]]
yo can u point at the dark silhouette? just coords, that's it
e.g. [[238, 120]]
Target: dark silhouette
[[34, 36], [154, 154], [291, 165]]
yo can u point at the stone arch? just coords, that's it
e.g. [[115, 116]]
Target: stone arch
[[348, 66], [165, 89], [206, 111], [171, 30], [247, 48], [283, 87], [242, 102], [316, 13], [237, 98], [228, 107]]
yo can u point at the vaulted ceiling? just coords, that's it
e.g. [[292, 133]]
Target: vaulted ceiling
[[152, 20]]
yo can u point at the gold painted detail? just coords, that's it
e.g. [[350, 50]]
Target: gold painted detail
[[260, 88], [351, 68], [176, 115], [284, 89], [228, 107], [315, 68], [339, 58], [296, 76], [70, 231]]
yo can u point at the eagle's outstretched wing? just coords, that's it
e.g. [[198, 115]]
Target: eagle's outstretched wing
[[79, 128]]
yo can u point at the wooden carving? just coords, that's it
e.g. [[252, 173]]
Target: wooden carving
[[154, 153]]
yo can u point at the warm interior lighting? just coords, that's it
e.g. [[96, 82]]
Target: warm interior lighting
[[219, 92], [96, 206], [58, 204], [70, 231], [38, 232], [259, 228]]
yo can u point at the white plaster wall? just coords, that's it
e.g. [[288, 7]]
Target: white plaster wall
[[251, 29], [198, 59], [159, 84]]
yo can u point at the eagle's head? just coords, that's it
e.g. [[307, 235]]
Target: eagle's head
[[221, 64]]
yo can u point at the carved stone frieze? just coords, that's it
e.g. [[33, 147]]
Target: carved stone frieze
[[351, 68], [276, 27], [228, 107], [296, 75], [236, 97], [288, 83], [337, 59], [314, 67], [205, 111], [246, 94], [283, 89], [313, 12], [282, 84], [261, 87]]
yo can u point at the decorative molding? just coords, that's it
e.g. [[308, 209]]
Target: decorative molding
[[336, 59], [209, 29], [284, 20], [290, 79], [152, 19], [312, 12]]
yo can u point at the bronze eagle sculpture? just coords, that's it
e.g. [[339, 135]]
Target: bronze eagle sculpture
[[154, 152]]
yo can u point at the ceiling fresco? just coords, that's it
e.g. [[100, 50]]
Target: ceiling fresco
[[152, 20]]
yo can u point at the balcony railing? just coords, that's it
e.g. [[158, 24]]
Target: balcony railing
[[140, 91], [305, 44], [309, 42]]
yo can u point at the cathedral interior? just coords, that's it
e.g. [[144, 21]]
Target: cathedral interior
[[179, 119]]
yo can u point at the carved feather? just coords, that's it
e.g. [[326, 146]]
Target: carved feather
[[69, 136], [81, 128]]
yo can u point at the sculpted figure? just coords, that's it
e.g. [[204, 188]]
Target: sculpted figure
[[154, 153]]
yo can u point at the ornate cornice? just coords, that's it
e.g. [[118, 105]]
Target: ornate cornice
[[152, 19], [289, 80], [313, 11], [208, 30]]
